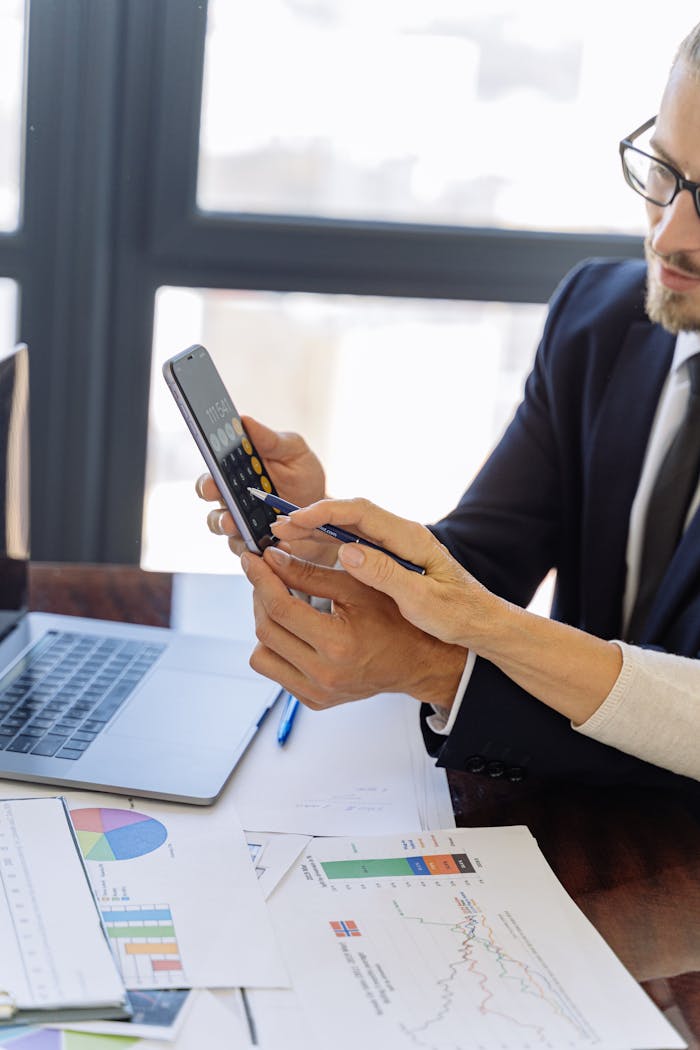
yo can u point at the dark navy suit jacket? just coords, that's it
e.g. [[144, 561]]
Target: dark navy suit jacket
[[557, 493]]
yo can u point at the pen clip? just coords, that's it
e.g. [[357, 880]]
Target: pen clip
[[8, 1006]]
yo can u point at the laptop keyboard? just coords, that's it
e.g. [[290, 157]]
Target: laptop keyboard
[[59, 697]]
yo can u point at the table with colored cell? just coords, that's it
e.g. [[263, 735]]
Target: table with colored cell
[[146, 945], [398, 867]]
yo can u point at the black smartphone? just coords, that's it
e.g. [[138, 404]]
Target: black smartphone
[[228, 452]]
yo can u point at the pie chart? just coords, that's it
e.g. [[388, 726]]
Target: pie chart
[[116, 834]]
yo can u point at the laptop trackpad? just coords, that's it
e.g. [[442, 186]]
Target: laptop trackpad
[[189, 708]]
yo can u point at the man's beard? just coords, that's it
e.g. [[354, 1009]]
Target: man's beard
[[672, 310]]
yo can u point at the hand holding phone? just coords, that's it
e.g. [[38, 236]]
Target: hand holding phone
[[228, 452]]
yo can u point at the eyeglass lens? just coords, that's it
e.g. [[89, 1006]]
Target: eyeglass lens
[[649, 177]]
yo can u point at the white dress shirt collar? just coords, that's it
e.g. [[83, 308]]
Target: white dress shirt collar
[[687, 345]]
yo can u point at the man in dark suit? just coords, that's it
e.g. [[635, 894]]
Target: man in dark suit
[[572, 486]]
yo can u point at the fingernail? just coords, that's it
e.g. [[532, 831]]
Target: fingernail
[[277, 555], [281, 519], [245, 562], [351, 554], [198, 485], [214, 521]]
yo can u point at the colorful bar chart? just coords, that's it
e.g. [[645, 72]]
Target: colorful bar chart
[[399, 867], [145, 943]]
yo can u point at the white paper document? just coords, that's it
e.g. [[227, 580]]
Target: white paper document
[[278, 1021], [345, 771], [273, 855], [54, 955], [459, 938], [430, 784], [177, 892]]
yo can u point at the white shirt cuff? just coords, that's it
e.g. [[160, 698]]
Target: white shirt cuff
[[442, 720]]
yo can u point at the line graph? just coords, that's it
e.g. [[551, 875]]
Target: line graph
[[463, 940], [513, 994]]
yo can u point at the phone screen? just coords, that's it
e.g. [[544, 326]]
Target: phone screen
[[221, 428]]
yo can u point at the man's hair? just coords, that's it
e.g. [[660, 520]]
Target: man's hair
[[689, 50]]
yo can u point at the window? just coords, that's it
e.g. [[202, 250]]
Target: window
[[416, 210], [8, 313], [480, 114], [11, 79], [401, 398]]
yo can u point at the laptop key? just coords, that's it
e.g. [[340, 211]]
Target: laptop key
[[113, 701], [23, 744], [48, 746], [67, 690], [78, 745]]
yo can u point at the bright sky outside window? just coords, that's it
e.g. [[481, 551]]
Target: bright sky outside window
[[11, 78], [440, 113], [350, 373]]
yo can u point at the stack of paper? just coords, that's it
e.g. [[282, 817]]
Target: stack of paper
[[177, 892]]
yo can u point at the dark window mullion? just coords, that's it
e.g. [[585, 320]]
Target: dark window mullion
[[74, 58], [12, 255], [379, 259]]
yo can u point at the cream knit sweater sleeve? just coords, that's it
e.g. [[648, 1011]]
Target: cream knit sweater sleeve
[[652, 711]]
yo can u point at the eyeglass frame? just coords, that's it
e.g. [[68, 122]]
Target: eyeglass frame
[[681, 182]]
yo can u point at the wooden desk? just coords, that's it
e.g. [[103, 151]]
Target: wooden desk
[[630, 859]]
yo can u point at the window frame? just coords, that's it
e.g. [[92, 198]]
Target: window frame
[[121, 82]]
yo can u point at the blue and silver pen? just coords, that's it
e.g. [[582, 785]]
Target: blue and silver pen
[[282, 506], [291, 706]]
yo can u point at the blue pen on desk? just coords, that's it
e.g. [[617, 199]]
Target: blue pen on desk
[[291, 706], [283, 506]]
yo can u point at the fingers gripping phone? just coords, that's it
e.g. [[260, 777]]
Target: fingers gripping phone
[[228, 452]]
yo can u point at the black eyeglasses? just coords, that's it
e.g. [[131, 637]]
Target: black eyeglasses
[[653, 179]]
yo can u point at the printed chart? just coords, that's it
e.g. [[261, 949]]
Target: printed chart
[[162, 874], [472, 959], [144, 942], [460, 938], [116, 834], [399, 867]]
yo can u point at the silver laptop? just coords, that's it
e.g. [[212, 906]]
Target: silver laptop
[[95, 704]]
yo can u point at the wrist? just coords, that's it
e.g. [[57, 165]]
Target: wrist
[[438, 672]]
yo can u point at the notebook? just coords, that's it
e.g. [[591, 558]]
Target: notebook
[[96, 704]]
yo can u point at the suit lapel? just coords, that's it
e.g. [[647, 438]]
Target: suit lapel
[[611, 473]]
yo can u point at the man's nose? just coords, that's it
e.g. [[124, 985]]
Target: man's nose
[[677, 228]]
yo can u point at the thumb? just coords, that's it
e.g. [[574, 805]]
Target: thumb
[[264, 438], [281, 446]]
